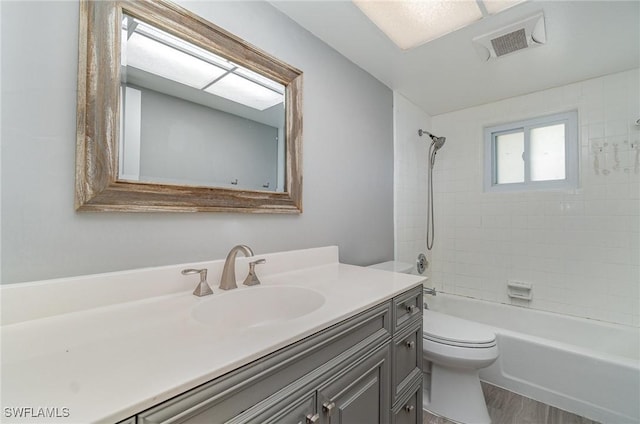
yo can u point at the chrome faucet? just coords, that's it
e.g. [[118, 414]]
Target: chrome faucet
[[228, 280]]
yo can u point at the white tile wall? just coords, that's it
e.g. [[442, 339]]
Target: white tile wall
[[410, 179], [579, 249]]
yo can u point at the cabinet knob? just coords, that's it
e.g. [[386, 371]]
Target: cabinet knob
[[328, 406], [408, 408], [410, 344], [410, 308], [312, 419]]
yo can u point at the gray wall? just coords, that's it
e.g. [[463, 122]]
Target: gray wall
[[185, 141], [348, 157]]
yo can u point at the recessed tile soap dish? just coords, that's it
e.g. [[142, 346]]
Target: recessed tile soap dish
[[519, 290]]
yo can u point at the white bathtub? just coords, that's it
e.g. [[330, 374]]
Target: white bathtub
[[587, 367]]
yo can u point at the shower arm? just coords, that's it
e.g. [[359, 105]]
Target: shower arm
[[421, 132]]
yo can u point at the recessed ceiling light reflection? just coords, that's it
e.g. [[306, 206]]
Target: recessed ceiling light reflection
[[243, 91], [156, 58], [264, 81]]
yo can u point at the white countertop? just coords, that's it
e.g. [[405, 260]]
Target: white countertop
[[110, 362]]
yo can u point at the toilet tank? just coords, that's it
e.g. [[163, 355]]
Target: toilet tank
[[394, 266]]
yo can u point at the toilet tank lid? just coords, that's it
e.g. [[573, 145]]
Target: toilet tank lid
[[394, 266]]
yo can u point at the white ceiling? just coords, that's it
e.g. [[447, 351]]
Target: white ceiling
[[585, 39]]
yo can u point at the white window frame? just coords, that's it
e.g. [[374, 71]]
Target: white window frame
[[570, 119]]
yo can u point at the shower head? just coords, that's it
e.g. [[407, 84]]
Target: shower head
[[437, 142]]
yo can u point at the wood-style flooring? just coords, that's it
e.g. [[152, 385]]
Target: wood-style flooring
[[506, 407]]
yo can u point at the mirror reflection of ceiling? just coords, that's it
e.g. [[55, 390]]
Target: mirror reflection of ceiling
[[154, 51]]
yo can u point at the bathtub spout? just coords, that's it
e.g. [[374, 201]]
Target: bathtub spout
[[427, 290]]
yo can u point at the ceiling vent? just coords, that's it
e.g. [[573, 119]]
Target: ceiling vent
[[524, 34]]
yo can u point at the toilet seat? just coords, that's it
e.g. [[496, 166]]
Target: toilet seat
[[458, 343], [453, 331]]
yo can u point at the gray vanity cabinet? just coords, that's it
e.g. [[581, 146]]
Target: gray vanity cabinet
[[288, 409], [343, 374], [355, 391], [407, 358], [409, 409], [359, 394]]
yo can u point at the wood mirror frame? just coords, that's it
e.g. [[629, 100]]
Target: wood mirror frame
[[98, 115]]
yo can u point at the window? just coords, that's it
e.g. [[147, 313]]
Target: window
[[536, 154]]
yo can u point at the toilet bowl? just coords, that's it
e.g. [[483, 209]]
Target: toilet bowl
[[457, 350]]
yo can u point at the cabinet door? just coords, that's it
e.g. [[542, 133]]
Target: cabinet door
[[360, 393]]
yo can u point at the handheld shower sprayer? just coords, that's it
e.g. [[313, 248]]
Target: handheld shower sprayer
[[436, 144]]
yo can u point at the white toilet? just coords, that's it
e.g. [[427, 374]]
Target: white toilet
[[456, 349]]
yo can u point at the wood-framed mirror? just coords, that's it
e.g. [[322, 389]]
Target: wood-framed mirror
[[140, 61]]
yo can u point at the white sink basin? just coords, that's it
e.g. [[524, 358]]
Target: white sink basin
[[254, 307]]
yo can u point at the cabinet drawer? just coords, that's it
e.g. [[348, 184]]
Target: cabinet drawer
[[409, 409], [406, 308], [291, 409], [407, 358]]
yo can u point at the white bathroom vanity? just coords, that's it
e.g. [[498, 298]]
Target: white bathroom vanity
[[315, 341]]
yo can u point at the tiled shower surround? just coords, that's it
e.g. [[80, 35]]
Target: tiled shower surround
[[579, 249]]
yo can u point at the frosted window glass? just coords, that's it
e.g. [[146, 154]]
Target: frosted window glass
[[547, 149], [156, 58], [509, 151]]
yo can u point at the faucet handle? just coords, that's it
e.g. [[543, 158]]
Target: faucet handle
[[203, 288], [252, 278]]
